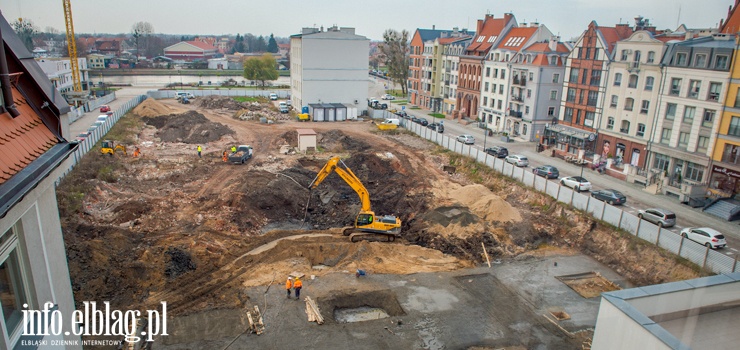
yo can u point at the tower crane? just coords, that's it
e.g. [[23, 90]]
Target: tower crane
[[72, 46]]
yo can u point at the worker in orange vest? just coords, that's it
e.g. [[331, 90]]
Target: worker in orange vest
[[225, 157], [297, 285], [137, 152], [288, 285]]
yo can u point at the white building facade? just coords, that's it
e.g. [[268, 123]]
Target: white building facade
[[450, 63], [329, 67], [59, 71]]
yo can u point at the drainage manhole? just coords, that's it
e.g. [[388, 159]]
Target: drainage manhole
[[359, 314]]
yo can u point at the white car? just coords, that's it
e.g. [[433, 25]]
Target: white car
[[273, 96], [466, 139], [576, 182], [517, 160], [705, 236], [388, 97]]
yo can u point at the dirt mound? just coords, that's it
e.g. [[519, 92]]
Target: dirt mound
[[221, 102], [337, 141], [484, 203], [189, 127], [152, 108], [180, 263]]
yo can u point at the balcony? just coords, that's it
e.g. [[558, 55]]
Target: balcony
[[517, 98], [520, 82], [515, 114], [447, 95], [447, 82]]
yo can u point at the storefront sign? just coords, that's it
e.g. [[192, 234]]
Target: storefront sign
[[728, 172]]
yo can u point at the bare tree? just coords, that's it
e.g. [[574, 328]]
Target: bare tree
[[26, 30], [141, 30], [395, 48]]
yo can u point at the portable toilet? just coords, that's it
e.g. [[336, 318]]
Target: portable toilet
[[304, 110], [317, 112], [340, 112], [329, 112], [351, 111]]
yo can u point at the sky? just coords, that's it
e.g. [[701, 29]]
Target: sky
[[568, 18]]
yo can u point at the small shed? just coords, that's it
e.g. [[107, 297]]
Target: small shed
[[341, 112], [306, 139], [317, 112], [351, 111], [329, 112]]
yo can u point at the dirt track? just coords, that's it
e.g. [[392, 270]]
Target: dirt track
[[172, 226]]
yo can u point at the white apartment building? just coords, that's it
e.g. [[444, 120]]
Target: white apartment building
[[59, 71], [450, 63], [329, 67], [691, 99], [631, 96]]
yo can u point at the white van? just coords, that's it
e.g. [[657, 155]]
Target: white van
[[393, 121], [180, 94], [273, 96]]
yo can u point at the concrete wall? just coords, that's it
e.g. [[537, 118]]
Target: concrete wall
[[296, 72], [615, 330], [306, 141]]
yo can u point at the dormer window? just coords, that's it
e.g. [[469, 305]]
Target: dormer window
[[700, 61], [480, 39]]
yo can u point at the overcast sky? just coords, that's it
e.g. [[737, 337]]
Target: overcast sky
[[569, 18]]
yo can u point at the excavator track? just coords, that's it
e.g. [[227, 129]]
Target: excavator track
[[356, 235]]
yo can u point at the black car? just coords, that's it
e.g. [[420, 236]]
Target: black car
[[547, 171], [415, 119], [436, 127], [402, 114], [423, 122], [612, 197], [497, 151]]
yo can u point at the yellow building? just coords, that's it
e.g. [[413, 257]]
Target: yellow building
[[725, 170]]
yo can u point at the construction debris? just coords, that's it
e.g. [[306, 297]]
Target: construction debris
[[255, 321], [313, 312]]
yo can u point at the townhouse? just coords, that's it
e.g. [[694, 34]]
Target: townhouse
[[584, 88], [692, 95], [489, 32], [425, 66], [452, 48]]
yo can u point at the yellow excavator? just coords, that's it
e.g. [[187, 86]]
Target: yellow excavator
[[109, 147], [367, 223]]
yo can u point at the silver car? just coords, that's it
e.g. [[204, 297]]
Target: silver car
[[466, 139], [517, 160], [660, 217]]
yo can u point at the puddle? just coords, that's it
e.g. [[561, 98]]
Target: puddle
[[359, 314]]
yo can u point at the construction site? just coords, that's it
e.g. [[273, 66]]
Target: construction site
[[479, 262]]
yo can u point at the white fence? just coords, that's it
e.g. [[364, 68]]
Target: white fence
[[701, 255], [160, 94], [90, 141]]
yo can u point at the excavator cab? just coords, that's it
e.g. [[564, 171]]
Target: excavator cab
[[109, 147]]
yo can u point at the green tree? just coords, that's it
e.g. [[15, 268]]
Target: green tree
[[238, 44], [272, 45], [395, 48], [261, 69], [26, 31]]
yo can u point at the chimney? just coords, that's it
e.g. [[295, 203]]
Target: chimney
[[534, 24], [433, 26], [479, 27], [553, 44]]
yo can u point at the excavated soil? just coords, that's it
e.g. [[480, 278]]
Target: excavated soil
[[197, 231]]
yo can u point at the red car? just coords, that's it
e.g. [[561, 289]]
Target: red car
[[104, 108]]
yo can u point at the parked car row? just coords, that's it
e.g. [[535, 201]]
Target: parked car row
[[497, 151]]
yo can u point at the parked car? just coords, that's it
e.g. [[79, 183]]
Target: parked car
[[82, 136], [610, 196], [423, 122], [104, 108], [660, 217], [547, 171], [402, 114], [466, 139], [517, 160], [181, 94], [440, 128], [414, 119], [388, 97], [705, 236], [273, 96], [577, 183], [497, 151]]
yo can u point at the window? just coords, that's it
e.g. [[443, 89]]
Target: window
[[665, 136], [553, 60], [485, 87], [485, 100], [714, 90], [683, 139], [495, 72], [584, 76], [589, 119], [661, 162], [640, 130], [550, 111], [720, 62], [501, 89], [526, 109], [615, 99], [708, 119], [618, 79], [555, 77], [649, 82], [651, 57], [503, 74], [694, 172], [624, 55], [531, 76], [610, 123], [734, 129], [498, 103], [571, 97], [633, 81], [588, 52], [529, 93], [700, 60], [702, 143], [737, 98], [12, 281], [488, 72], [681, 59], [568, 117], [592, 97], [625, 127], [638, 56], [675, 86], [553, 95], [595, 77], [644, 107], [688, 114], [573, 75], [629, 103], [578, 117], [694, 86]]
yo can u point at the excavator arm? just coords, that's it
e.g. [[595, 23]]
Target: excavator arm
[[347, 175]]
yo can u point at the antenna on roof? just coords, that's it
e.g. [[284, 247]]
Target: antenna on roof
[[678, 19]]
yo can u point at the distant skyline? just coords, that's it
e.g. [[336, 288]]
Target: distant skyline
[[568, 18]]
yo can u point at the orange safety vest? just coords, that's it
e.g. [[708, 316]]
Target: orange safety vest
[[288, 284], [298, 284]]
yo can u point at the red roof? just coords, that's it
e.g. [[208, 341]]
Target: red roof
[[516, 38], [444, 41], [22, 139], [612, 35], [489, 28], [201, 45]]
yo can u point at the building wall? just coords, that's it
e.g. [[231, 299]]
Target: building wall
[[726, 154], [615, 330], [59, 72], [416, 60], [41, 249], [296, 72]]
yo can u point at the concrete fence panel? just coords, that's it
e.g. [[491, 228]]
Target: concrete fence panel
[[693, 251], [518, 174], [539, 183], [552, 188], [648, 232], [668, 240], [630, 223], [528, 179], [565, 194], [612, 215], [719, 262], [596, 208]]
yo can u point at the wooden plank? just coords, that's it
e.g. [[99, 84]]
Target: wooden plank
[[486, 253]]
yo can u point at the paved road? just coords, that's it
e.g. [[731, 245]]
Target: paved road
[[122, 96], [637, 198]]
